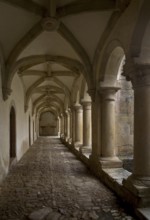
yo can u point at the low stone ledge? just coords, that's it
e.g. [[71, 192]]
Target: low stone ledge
[[143, 213], [117, 174]]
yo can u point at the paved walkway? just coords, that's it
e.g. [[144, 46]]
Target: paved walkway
[[49, 175]]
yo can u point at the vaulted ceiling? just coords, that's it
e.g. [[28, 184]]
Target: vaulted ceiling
[[49, 44]]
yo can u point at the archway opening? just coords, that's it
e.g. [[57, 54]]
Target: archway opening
[[124, 106], [12, 134], [48, 124]]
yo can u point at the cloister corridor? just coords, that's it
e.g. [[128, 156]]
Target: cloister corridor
[[50, 176], [74, 109]]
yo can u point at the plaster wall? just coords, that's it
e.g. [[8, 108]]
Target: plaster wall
[[22, 141]]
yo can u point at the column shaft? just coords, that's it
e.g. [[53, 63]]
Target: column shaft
[[108, 148], [68, 124], [87, 124], [141, 85], [73, 125], [108, 124], [78, 124], [62, 126]]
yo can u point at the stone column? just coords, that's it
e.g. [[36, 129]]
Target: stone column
[[62, 126], [96, 130], [108, 151], [73, 125], [78, 125], [68, 125], [65, 125], [86, 127], [141, 165], [70, 137], [37, 126], [59, 125]]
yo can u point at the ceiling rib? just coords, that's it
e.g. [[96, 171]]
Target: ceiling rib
[[29, 6], [83, 6]]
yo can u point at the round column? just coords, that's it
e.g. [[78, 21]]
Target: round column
[[141, 86], [70, 138], [62, 126], [59, 125], [73, 125], [68, 124], [86, 124], [108, 151], [65, 125], [78, 124]]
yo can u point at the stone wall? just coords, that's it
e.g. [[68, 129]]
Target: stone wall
[[48, 124], [124, 118]]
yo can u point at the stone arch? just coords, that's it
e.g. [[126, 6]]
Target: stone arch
[[112, 82], [65, 33], [27, 62], [102, 62], [52, 105], [113, 66], [12, 133], [60, 86], [51, 97], [45, 109]]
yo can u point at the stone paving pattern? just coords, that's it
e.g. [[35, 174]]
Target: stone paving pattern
[[50, 176]]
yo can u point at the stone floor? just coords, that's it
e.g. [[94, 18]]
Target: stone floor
[[50, 176]]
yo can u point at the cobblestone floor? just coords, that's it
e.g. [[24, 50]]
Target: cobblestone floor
[[49, 175]]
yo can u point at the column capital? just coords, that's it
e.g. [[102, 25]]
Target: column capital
[[78, 107], [86, 104], [137, 73], [141, 77], [109, 92]]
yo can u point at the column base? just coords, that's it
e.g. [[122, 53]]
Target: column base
[[59, 135], [85, 149], [110, 162], [70, 141], [138, 190], [94, 164], [67, 139], [77, 145]]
